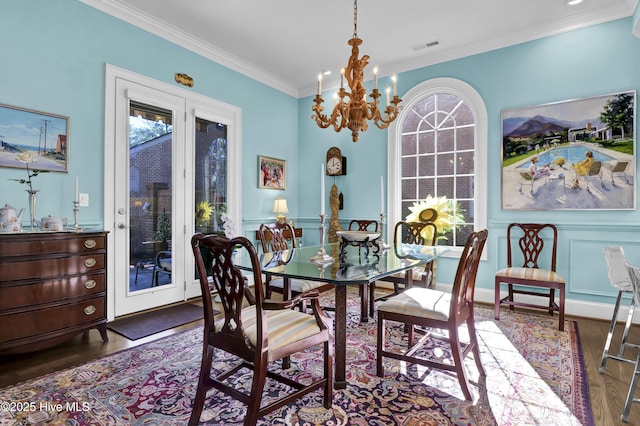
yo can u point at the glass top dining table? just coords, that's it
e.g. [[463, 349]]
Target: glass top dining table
[[350, 265]]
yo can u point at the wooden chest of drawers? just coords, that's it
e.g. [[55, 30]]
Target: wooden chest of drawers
[[52, 287]]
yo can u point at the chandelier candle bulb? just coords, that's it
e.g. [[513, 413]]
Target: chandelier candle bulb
[[395, 85], [77, 199], [319, 84], [375, 78], [388, 90], [342, 78]]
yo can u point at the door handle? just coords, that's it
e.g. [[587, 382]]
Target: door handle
[[121, 225]]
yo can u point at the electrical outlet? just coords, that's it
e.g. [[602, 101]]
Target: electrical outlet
[[84, 200]]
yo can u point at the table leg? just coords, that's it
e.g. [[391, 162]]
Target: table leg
[[286, 295], [340, 337], [364, 303]]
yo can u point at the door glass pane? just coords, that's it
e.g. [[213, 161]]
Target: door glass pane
[[210, 176], [150, 198]]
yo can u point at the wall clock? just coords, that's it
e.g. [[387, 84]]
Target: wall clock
[[336, 163]]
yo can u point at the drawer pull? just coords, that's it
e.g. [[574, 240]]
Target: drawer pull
[[90, 244], [89, 310], [90, 284], [89, 262]]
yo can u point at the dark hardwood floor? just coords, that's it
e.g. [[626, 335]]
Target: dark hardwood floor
[[608, 391]]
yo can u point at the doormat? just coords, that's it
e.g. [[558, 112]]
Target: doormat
[[138, 326]]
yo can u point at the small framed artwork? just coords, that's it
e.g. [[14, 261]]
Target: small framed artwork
[[570, 155], [33, 138], [272, 173]]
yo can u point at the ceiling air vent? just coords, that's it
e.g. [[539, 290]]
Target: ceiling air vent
[[425, 45]]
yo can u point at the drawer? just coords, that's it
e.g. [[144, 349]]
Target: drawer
[[45, 243], [51, 267], [48, 291], [26, 324]]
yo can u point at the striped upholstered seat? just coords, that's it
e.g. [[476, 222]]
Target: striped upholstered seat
[[283, 326], [535, 274]]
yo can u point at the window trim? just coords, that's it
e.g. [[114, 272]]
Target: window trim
[[473, 99]]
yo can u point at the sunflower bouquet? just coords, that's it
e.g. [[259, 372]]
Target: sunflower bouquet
[[449, 215]]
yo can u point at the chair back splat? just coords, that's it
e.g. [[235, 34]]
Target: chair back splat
[[533, 273], [255, 330], [425, 309]]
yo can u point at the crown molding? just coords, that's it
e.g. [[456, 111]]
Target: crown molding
[[147, 23], [442, 53]]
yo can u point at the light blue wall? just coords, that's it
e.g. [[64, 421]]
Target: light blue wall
[[598, 60], [53, 55], [52, 59]]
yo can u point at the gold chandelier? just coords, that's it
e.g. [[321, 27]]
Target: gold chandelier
[[351, 107]]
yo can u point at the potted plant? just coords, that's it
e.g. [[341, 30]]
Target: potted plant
[[163, 230]]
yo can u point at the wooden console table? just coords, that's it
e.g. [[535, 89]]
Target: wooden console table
[[52, 287]]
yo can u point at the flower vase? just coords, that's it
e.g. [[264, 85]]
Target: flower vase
[[33, 199]]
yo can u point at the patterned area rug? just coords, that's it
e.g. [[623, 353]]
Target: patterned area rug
[[535, 376]]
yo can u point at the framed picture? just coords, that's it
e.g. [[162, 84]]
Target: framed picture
[[35, 138], [272, 173], [570, 155]]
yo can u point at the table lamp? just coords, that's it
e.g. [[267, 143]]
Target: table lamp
[[280, 207]]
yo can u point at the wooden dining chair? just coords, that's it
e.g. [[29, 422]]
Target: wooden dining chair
[[434, 309], [279, 237], [520, 279], [257, 334], [424, 232]]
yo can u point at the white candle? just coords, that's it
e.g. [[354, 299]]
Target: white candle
[[322, 188], [319, 83], [395, 85], [381, 195], [77, 197], [388, 90], [375, 77], [342, 78]]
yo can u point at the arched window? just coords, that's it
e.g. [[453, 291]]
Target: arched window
[[437, 147]]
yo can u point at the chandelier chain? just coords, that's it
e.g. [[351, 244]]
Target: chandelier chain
[[355, 18]]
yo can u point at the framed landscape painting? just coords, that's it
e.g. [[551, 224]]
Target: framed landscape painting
[[272, 173], [33, 138], [570, 155]]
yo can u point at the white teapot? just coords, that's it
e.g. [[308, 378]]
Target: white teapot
[[10, 219], [52, 223]]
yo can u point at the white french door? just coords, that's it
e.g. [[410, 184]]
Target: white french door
[[167, 151]]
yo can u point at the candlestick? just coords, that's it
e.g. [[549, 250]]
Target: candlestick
[[76, 227], [77, 197], [381, 243], [381, 195], [321, 257], [322, 189]]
